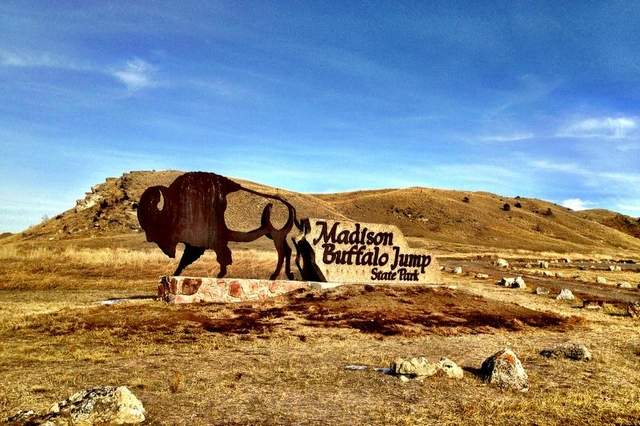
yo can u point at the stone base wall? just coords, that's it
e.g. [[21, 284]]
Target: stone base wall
[[223, 290]]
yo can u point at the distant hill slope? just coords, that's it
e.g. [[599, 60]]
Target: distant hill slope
[[627, 224], [443, 216]]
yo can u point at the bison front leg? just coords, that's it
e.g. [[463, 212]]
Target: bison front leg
[[190, 255]]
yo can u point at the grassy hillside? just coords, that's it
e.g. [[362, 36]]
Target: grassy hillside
[[628, 225], [445, 217]]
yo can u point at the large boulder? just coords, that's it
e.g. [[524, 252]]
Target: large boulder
[[413, 367], [420, 367], [107, 405], [504, 369], [574, 351]]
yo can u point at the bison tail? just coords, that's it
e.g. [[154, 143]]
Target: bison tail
[[265, 221]]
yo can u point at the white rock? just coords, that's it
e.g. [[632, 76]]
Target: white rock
[[418, 366], [450, 368], [501, 263], [543, 264], [482, 276], [542, 290], [511, 282], [625, 284], [565, 294], [504, 369], [99, 405], [601, 280], [507, 282], [457, 270]]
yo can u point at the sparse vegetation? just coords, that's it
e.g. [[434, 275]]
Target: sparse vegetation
[[465, 199], [506, 207], [289, 352], [518, 205]]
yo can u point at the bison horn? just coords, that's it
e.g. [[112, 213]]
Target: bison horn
[[152, 207]]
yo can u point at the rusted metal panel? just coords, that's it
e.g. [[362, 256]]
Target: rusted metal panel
[[191, 211]]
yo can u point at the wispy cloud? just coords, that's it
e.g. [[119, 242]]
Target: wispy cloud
[[557, 166], [29, 59], [600, 127], [510, 137], [137, 74], [576, 204]]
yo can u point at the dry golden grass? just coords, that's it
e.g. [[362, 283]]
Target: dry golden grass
[[282, 362]]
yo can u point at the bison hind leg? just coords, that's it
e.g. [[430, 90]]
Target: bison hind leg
[[190, 255], [223, 254]]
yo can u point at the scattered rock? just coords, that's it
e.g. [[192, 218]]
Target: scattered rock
[[413, 367], [482, 276], [420, 367], [615, 268], [449, 368], [548, 274], [519, 283], [504, 369], [501, 263], [565, 294], [99, 405], [457, 270], [566, 260], [624, 284], [559, 275], [601, 280], [542, 291], [574, 351], [442, 268], [634, 310], [543, 264], [592, 305], [355, 367], [511, 282], [611, 309]]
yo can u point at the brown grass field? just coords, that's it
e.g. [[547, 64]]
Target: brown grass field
[[282, 361]]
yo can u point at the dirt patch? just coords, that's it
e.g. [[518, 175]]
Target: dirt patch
[[415, 311], [386, 311]]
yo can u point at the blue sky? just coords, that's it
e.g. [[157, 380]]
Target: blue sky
[[533, 99]]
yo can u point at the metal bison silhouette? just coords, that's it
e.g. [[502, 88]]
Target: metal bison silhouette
[[191, 211]]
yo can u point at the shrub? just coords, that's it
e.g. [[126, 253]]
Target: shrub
[[548, 212], [518, 205], [506, 207], [465, 200]]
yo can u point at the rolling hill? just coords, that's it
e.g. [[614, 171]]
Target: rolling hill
[[429, 217]]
